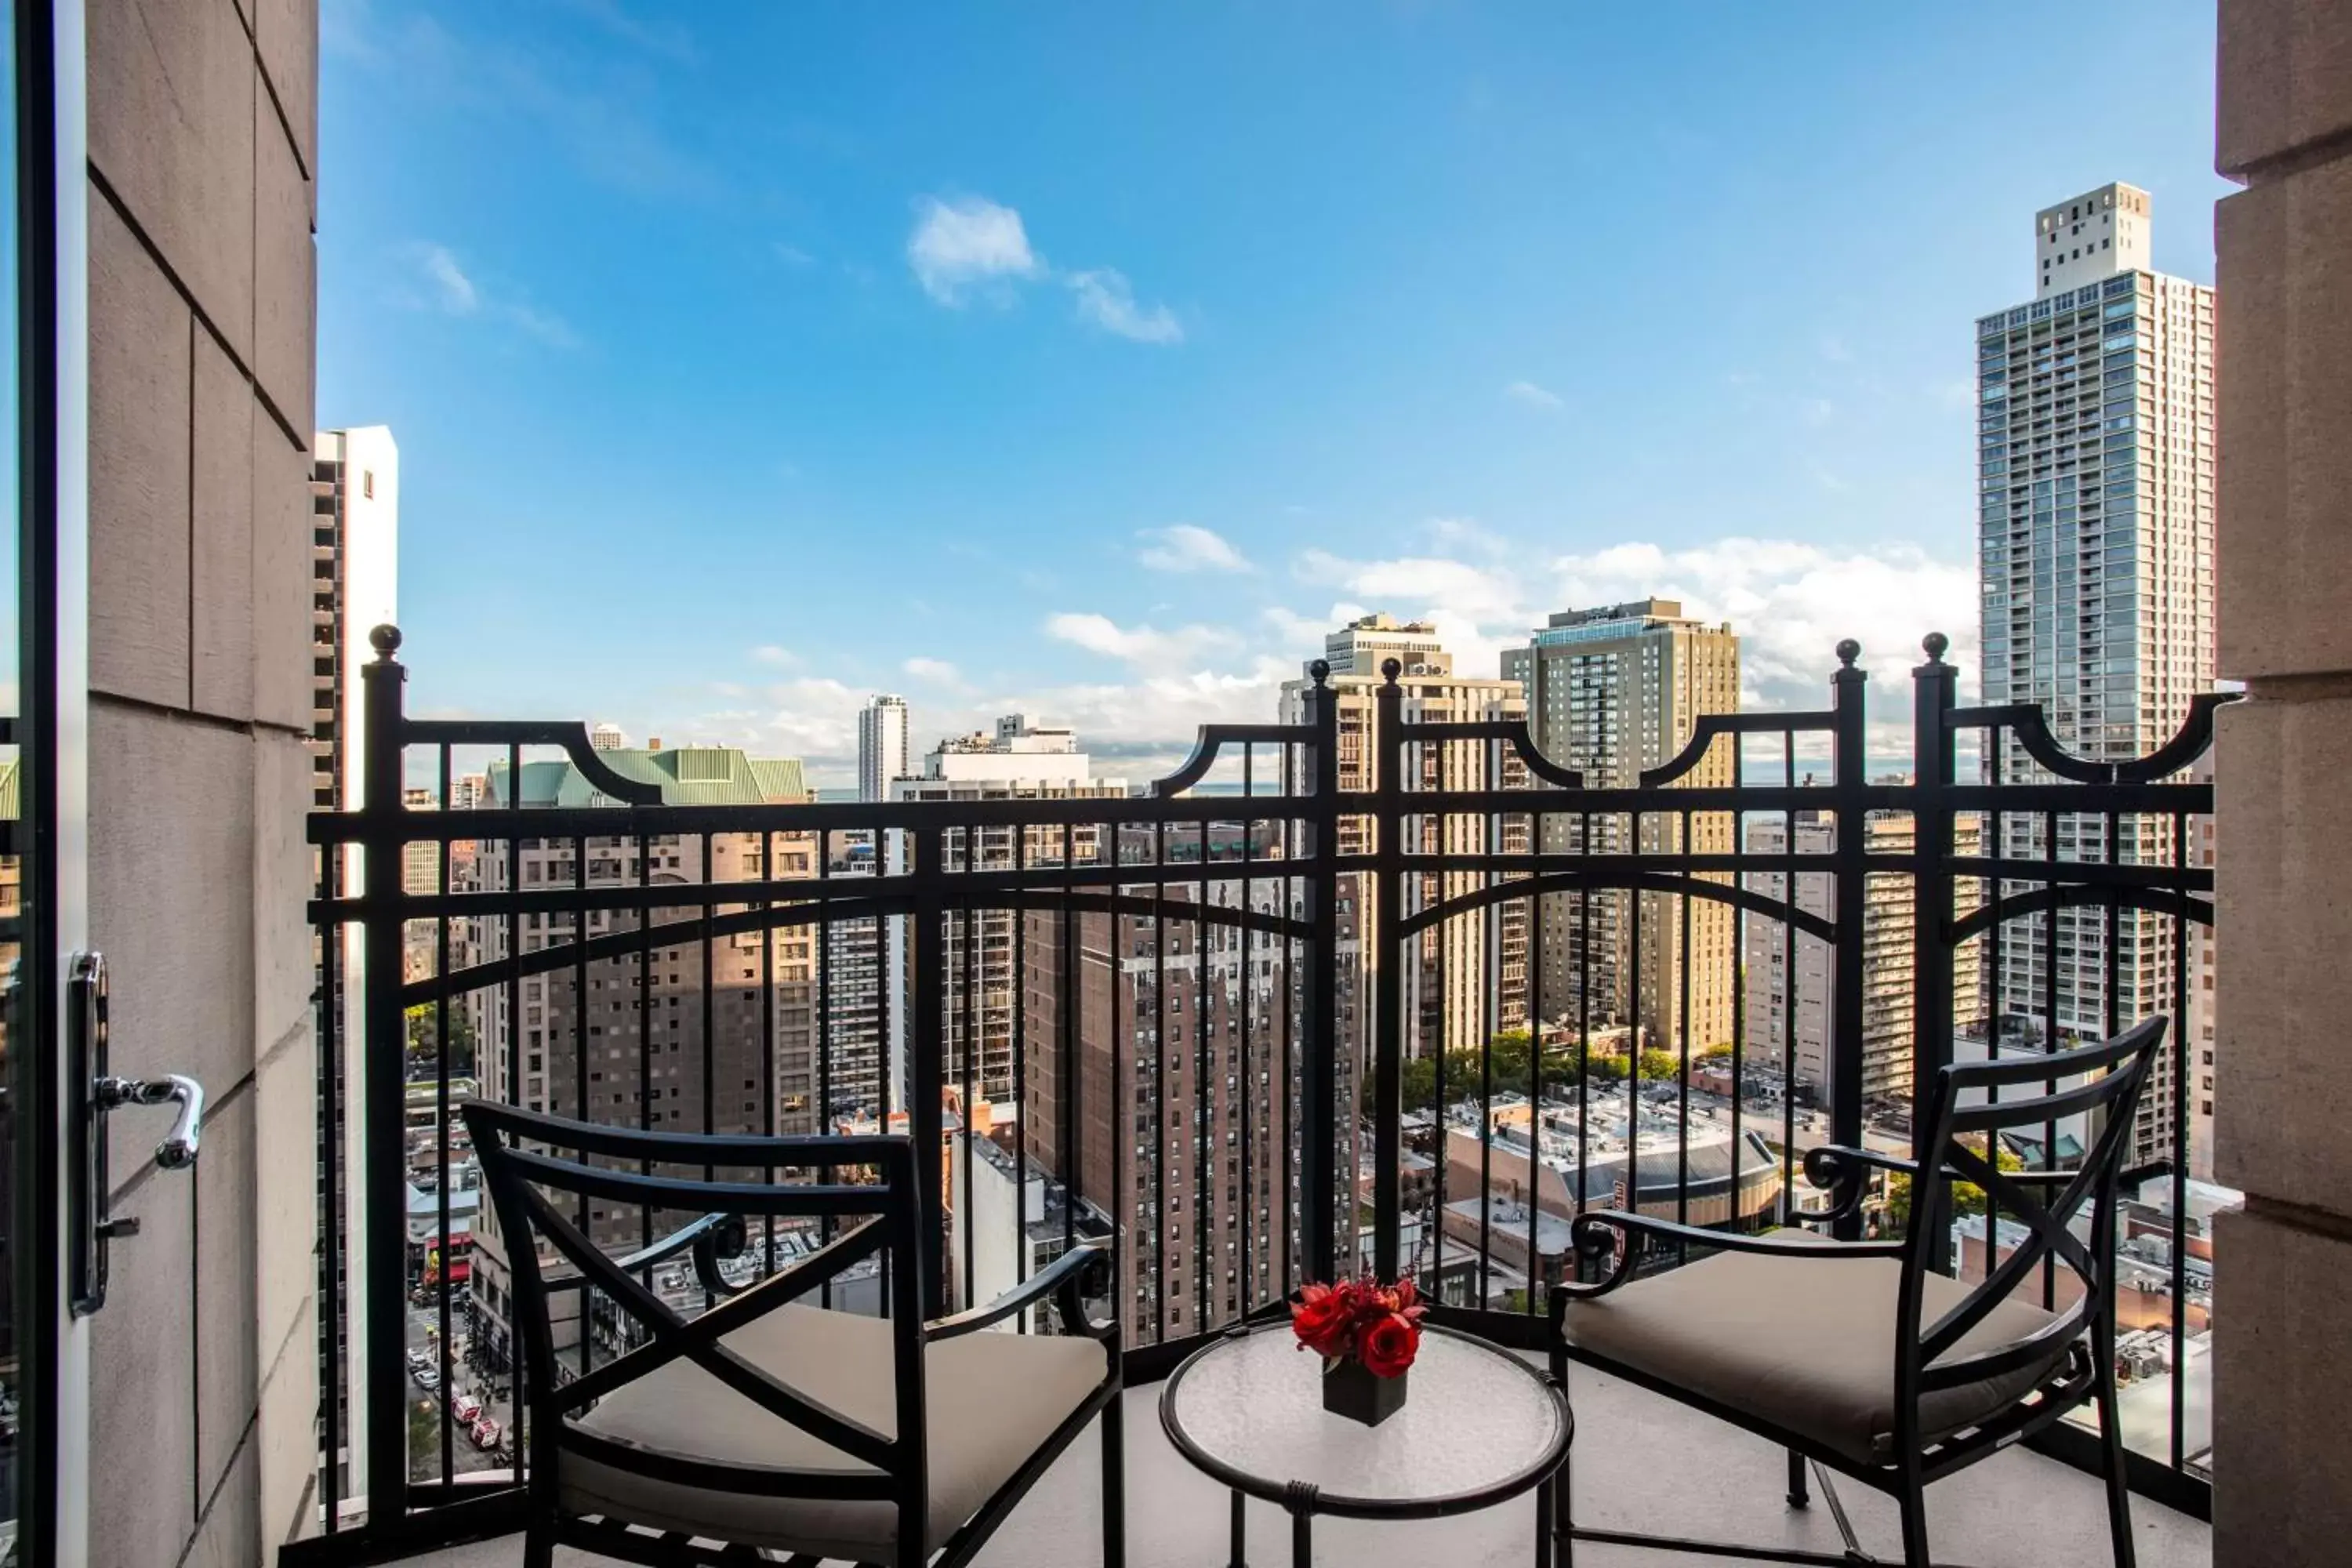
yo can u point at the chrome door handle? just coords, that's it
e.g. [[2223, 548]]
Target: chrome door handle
[[179, 1147], [96, 1092]]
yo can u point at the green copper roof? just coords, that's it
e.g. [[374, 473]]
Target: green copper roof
[[689, 775]]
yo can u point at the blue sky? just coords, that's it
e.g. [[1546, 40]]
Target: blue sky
[[748, 359]]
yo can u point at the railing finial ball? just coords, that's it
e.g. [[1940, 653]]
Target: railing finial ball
[[385, 640], [1391, 668], [1848, 650], [1934, 643], [1320, 670]]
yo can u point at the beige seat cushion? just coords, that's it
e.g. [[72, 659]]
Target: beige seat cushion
[[1807, 1344], [994, 1398]]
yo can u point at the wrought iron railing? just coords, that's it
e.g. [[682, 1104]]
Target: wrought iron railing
[[1282, 1015]]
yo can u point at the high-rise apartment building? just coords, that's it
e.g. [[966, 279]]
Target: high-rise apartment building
[[1610, 691], [2096, 528], [354, 587], [1805, 982], [1467, 978], [691, 1036], [1020, 761], [882, 752], [1183, 1060]]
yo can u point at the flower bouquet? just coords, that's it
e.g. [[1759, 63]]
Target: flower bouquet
[[1367, 1333]]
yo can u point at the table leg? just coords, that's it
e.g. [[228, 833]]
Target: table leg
[[1240, 1555], [1302, 1540], [1543, 1525]]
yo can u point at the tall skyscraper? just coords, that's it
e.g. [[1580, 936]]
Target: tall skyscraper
[[2094, 447], [1610, 691], [1468, 978], [355, 581], [881, 746]]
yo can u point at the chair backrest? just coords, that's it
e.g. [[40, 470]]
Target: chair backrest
[[538, 1167], [2101, 1084]]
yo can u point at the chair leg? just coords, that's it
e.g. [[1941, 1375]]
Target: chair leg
[[1914, 1501], [538, 1547], [2111, 1443], [1114, 1497], [1799, 1496]]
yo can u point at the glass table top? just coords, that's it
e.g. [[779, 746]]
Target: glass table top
[[1476, 1419]]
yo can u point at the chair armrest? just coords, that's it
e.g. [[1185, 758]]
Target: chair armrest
[[1844, 1173], [1062, 1278], [1608, 1233]]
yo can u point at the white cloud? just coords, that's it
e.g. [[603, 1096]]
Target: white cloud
[[1792, 603], [966, 245], [937, 672], [1818, 411], [1105, 299], [1530, 393], [973, 248], [1186, 547], [768, 653], [456, 292], [1142, 644]]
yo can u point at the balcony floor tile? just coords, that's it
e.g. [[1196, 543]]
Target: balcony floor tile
[[1641, 1463]]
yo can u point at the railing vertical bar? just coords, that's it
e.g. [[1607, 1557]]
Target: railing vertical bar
[[975, 992], [334, 1278], [1069, 999], [1017, 988], [2185, 1063], [520, 1408], [820, 934], [1681, 1098], [442, 1254], [1579, 1199], [581, 1055], [1159, 1201], [1245, 1074], [2050, 1040], [1790, 989], [1203, 995]]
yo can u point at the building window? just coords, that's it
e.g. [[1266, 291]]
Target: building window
[[367, 483]]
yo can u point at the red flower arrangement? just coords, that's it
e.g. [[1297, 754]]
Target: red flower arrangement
[[1375, 1324]]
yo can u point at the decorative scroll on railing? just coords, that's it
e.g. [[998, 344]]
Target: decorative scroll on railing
[[1200, 1026]]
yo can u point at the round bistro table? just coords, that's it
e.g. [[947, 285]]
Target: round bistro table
[[1480, 1426]]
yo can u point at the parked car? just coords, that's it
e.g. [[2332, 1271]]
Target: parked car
[[464, 1407], [419, 1360], [429, 1379]]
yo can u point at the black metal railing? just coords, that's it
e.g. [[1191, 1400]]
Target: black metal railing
[[1287, 1012]]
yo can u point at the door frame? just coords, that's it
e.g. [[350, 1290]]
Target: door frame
[[52, 733]]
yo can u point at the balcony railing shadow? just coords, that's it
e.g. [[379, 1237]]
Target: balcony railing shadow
[[1357, 989]]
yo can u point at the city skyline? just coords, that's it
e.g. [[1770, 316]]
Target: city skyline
[[1003, 436]]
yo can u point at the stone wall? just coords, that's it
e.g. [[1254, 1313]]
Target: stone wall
[[203, 137], [2284, 1099]]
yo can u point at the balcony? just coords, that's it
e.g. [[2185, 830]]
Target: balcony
[[2019, 1508], [1206, 1023]]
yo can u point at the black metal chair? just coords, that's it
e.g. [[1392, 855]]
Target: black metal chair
[[765, 1424], [1863, 1357]]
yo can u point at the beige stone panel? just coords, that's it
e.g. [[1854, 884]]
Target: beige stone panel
[[286, 275], [2282, 1099], [171, 84], [220, 596], [2286, 75], [283, 588], [227, 1381], [2285, 492], [172, 899], [2281, 1363], [285, 32], [139, 348]]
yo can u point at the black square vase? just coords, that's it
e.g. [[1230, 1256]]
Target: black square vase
[[1350, 1390]]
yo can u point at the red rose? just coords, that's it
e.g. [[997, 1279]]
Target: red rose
[[1324, 1319], [1389, 1346]]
